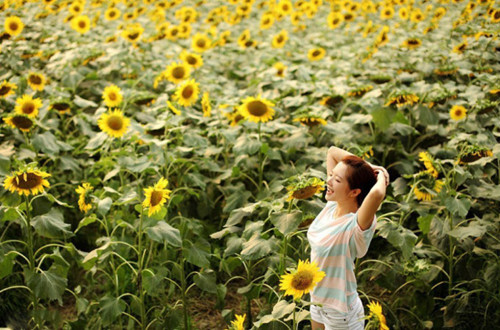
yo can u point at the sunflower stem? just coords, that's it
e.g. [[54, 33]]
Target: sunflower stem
[[31, 257], [294, 325], [139, 272]]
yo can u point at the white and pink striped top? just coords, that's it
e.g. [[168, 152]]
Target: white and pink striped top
[[335, 243]]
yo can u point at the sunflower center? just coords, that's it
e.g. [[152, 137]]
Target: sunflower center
[[280, 39], [187, 92], [458, 113], [413, 42], [248, 43], [115, 122], [156, 197], [112, 96], [28, 107], [35, 79], [22, 122], [257, 108], [60, 106], [133, 36], [302, 280], [112, 13], [201, 43], [32, 181], [335, 21], [178, 72], [191, 60], [13, 26], [4, 90], [174, 32], [82, 24], [316, 53]]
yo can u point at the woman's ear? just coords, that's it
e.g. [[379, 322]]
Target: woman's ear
[[354, 192]]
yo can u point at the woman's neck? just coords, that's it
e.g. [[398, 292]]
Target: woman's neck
[[345, 208]]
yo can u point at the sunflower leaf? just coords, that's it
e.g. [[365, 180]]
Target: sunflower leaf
[[51, 224], [110, 309], [162, 232], [287, 223], [47, 284]]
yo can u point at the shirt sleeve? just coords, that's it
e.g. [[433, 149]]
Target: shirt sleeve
[[362, 238]]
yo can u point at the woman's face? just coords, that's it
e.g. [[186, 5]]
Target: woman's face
[[338, 187]]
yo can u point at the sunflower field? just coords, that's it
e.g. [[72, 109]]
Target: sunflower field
[[161, 160]]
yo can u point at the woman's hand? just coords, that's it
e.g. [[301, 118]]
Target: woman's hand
[[381, 173]]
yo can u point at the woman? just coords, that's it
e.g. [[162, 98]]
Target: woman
[[341, 232]]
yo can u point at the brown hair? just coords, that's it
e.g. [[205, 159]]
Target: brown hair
[[360, 176]]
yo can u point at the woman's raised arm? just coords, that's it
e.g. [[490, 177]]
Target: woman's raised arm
[[334, 156], [373, 200]]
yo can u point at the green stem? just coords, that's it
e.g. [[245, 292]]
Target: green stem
[[31, 257], [294, 325], [183, 293], [139, 273]]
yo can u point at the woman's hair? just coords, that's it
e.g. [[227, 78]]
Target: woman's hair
[[360, 176]]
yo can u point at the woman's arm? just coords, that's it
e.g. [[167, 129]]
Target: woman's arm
[[373, 200], [334, 156]]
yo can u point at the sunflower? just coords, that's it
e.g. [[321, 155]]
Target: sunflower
[[266, 21], [280, 39], [417, 16], [256, 109], [439, 13], [472, 153], [83, 191], [238, 324], [36, 81], [284, 7], [386, 13], [205, 105], [13, 25], [382, 38], [23, 122], [334, 19], [303, 280], [114, 123], [173, 33], [460, 47], [112, 14], [6, 89], [427, 186], [177, 72], [403, 13], [174, 109], [187, 93], [330, 101], [495, 16], [76, 8], [304, 189], [27, 181], [132, 33], [376, 317], [28, 105], [81, 24], [156, 196], [280, 69], [192, 59], [244, 36], [458, 112], [235, 117], [112, 96], [316, 54], [402, 98], [310, 120], [426, 158], [200, 42], [412, 43], [62, 107], [360, 91]]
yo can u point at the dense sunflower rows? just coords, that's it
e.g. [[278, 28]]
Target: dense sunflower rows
[[156, 152]]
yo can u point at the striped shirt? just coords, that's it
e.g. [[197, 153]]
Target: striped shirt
[[335, 243]]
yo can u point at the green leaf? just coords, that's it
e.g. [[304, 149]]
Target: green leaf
[[51, 224], [96, 141], [238, 214], [110, 309], [46, 142], [400, 237], [91, 257], [104, 205], [198, 255], [287, 222], [47, 284], [427, 116], [153, 281], [6, 264], [474, 229], [424, 223], [162, 232], [86, 221], [83, 103], [8, 215], [382, 117], [458, 206], [236, 199], [485, 190], [257, 247], [206, 280], [4, 165], [282, 309], [246, 145]]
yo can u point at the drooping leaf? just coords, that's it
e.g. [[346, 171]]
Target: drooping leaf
[[47, 284], [162, 232], [287, 222], [51, 224]]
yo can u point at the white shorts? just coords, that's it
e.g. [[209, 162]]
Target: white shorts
[[333, 319]]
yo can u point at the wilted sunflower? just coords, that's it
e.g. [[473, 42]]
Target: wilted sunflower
[[205, 105], [446, 70], [330, 101], [412, 43], [133, 33], [112, 14], [156, 196], [29, 181], [280, 69], [192, 59], [28, 105], [177, 72], [471, 153], [201, 42], [187, 93], [174, 109], [114, 123], [310, 120], [316, 54], [360, 91], [83, 191], [304, 189], [460, 48], [303, 280], [427, 186], [22, 122], [426, 158], [256, 109], [13, 25], [112, 96], [376, 319], [280, 39], [6, 89], [239, 323], [81, 24], [402, 98], [36, 81], [334, 19], [62, 107], [458, 112]]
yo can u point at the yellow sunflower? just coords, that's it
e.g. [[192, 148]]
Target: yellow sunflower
[[280, 69], [285, 7], [403, 13], [205, 105], [112, 96], [6, 89], [76, 8], [187, 93], [238, 324], [22, 122], [305, 189], [360, 91], [303, 280], [412, 43], [376, 318], [177, 72], [83, 191], [200, 42], [495, 16], [132, 33], [256, 109], [266, 21], [192, 59], [114, 123], [386, 13], [417, 16], [62, 107], [426, 158], [156, 196], [81, 24], [29, 181], [174, 109], [280, 39], [27, 105], [458, 112], [334, 19], [112, 14], [310, 120], [13, 25], [316, 54], [460, 47], [244, 36], [427, 186], [173, 33], [36, 81], [402, 98]]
